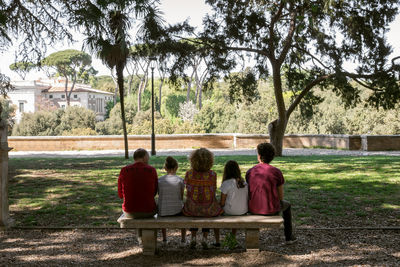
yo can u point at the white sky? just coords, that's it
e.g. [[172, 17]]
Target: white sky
[[174, 11]]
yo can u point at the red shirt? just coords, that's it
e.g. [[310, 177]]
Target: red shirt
[[137, 185], [264, 180]]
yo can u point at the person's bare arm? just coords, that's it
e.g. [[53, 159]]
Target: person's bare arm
[[223, 199], [280, 192]]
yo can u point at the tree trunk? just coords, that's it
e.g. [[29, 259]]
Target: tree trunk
[[276, 131], [159, 94], [277, 128], [66, 90], [120, 80]]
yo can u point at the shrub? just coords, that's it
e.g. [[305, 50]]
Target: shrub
[[41, 123], [79, 132]]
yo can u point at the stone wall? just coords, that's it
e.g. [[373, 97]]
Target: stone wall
[[190, 141], [380, 142]]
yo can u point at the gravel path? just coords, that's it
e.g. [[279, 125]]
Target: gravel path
[[183, 152]]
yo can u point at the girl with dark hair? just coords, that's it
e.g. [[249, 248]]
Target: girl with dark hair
[[234, 191]]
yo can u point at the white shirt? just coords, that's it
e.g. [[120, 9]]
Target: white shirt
[[236, 202], [169, 195]]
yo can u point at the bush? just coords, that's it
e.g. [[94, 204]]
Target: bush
[[77, 117], [79, 132], [41, 123]]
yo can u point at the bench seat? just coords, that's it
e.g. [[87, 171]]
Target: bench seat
[[252, 224]]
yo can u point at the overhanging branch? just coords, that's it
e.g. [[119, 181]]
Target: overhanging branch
[[305, 91]]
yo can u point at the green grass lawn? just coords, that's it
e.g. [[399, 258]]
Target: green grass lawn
[[326, 191]]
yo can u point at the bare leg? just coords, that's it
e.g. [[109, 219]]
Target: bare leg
[[164, 234], [183, 235], [234, 232], [216, 233]]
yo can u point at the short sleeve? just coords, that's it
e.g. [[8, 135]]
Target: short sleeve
[[281, 180], [225, 186]]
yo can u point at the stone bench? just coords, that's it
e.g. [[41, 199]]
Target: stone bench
[[252, 224]]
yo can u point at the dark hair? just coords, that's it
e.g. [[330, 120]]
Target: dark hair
[[140, 153], [170, 163], [266, 152], [201, 159], [232, 171]]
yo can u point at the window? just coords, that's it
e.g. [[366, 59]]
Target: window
[[62, 96], [75, 96], [21, 107], [50, 96]]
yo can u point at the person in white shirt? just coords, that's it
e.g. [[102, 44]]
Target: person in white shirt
[[170, 194], [234, 191]]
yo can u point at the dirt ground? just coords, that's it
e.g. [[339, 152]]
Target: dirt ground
[[107, 247]]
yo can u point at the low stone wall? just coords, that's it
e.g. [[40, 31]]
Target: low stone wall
[[380, 142], [190, 141]]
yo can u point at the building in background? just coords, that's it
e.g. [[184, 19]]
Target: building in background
[[32, 96]]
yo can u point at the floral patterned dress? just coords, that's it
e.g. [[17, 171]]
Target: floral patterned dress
[[200, 194]]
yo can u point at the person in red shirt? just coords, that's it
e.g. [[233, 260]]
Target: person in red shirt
[[137, 186], [266, 189]]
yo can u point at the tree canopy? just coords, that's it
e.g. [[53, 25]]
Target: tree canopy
[[304, 44], [69, 64]]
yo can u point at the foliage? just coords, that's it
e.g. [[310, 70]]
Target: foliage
[[36, 23], [296, 43], [230, 241], [187, 110], [41, 123], [70, 63], [172, 103], [187, 127], [142, 124], [79, 132], [58, 122], [7, 112], [76, 117], [104, 83], [22, 68]]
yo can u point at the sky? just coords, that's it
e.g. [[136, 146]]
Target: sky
[[174, 11]]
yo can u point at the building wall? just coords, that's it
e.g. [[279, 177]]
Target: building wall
[[27, 93], [30, 94]]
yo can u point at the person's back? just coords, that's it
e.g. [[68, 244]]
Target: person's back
[[234, 190], [170, 189], [264, 180], [266, 189], [137, 186]]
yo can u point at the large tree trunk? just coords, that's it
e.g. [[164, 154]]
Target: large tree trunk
[[276, 131], [120, 80], [277, 128]]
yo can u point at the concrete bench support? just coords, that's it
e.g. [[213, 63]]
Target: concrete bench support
[[252, 224], [149, 241], [252, 240]]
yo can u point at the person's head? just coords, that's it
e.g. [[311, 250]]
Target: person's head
[[231, 170], [170, 165], [266, 152], [201, 160], [141, 155]]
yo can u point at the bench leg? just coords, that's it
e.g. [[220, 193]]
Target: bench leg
[[252, 240], [149, 241]]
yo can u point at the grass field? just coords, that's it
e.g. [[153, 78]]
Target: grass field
[[325, 191]]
